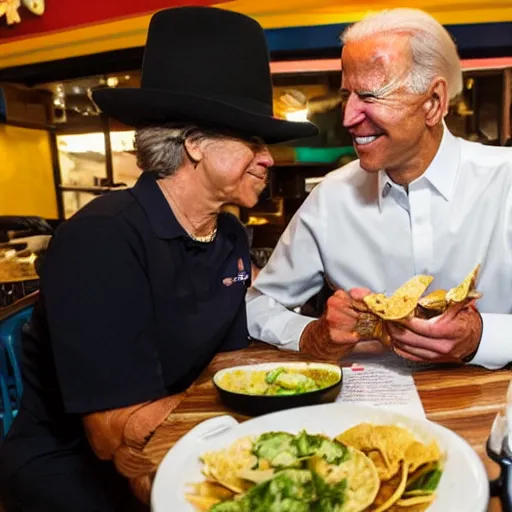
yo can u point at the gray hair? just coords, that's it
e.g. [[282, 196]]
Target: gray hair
[[161, 149], [433, 50]]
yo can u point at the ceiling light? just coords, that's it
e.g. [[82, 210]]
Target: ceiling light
[[297, 115]]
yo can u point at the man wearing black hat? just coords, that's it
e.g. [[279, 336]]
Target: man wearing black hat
[[142, 287]]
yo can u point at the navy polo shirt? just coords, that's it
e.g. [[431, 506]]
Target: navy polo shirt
[[131, 309]]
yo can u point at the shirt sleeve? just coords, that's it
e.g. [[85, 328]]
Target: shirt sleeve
[[293, 274], [100, 317], [495, 350]]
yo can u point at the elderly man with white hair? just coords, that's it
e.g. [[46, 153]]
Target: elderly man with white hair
[[417, 201]]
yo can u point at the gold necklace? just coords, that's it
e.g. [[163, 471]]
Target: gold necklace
[[210, 237]]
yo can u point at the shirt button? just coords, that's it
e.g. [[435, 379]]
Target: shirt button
[[386, 190]]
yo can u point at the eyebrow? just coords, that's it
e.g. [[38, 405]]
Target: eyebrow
[[377, 93], [360, 92]]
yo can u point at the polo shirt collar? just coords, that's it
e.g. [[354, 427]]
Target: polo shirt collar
[[161, 217]]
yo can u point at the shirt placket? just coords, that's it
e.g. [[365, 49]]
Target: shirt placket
[[421, 228]]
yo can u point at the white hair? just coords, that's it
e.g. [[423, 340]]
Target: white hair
[[160, 149], [433, 50]]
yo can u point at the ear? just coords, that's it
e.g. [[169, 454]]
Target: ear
[[436, 104], [194, 150]]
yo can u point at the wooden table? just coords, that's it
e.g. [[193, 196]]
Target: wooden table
[[463, 399]]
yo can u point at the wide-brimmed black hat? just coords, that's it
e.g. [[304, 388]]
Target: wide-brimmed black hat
[[204, 66]]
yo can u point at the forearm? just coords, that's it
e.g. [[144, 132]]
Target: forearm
[[315, 341], [273, 323], [121, 435], [105, 429]]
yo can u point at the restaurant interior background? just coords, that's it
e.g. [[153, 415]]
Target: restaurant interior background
[[59, 152]]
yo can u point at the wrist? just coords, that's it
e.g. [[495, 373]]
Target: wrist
[[309, 332], [478, 335], [315, 340]]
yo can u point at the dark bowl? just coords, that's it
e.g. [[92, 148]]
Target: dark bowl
[[255, 405]]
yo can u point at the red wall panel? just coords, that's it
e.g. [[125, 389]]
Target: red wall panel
[[62, 15]]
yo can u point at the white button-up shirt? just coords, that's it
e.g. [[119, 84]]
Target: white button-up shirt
[[362, 230]]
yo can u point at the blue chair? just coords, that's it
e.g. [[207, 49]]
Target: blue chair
[[11, 385], [6, 412]]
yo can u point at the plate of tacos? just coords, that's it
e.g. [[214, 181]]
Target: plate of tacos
[[321, 458]]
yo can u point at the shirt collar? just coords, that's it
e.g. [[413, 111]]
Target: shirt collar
[[159, 213], [441, 173]]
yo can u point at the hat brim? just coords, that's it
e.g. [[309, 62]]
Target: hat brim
[[139, 107]]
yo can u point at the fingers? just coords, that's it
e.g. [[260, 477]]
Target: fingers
[[417, 343], [416, 354], [359, 293], [408, 355], [341, 314], [339, 336], [455, 309], [340, 305], [445, 326]]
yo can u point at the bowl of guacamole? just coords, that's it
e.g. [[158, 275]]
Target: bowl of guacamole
[[268, 387]]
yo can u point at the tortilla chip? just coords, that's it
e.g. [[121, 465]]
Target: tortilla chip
[[385, 445], [385, 470], [201, 503], [417, 500], [211, 490], [359, 436], [402, 303], [390, 492], [360, 473], [256, 475], [206, 494], [225, 465], [418, 454], [432, 304], [461, 292], [411, 508], [417, 492]]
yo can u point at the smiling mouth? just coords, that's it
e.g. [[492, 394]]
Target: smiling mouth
[[260, 177], [363, 141]]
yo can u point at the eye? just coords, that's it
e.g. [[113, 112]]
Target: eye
[[344, 96], [367, 96], [256, 143]]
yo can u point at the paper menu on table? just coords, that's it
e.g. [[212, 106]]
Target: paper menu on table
[[382, 387]]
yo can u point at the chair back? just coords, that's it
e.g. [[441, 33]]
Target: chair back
[[10, 341], [11, 383], [6, 413]]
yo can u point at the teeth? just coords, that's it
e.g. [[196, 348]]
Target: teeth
[[365, 140]]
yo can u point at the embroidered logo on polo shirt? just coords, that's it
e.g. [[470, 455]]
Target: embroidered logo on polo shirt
[[242, 275]]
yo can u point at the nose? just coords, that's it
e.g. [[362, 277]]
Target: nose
[[264, 157], [353, 111]]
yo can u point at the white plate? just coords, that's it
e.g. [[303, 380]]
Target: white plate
[[464, 486]]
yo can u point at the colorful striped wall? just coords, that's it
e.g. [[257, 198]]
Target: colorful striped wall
[[76, 28]]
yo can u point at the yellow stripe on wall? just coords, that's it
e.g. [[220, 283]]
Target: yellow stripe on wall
[[131, 32], [26, 175]]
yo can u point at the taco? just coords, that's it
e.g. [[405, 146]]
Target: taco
[[402, 303], [437, 302]]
